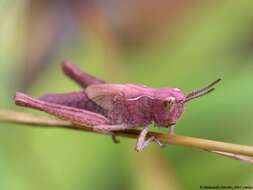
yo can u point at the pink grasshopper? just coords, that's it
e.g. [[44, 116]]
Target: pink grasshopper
[[112, 107]]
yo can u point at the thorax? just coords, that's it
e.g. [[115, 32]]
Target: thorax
[[131, 111]]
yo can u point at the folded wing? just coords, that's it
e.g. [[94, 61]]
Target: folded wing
[[105, 95]]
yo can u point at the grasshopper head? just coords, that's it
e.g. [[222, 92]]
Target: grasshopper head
[[168, 107], [167, 110]]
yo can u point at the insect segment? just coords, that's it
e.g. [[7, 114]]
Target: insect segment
[[112, 107]]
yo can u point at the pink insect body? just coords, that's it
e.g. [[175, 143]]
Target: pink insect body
[[138, 105], [112, 107]]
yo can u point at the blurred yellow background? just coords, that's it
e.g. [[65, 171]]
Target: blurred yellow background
[[175, 43]]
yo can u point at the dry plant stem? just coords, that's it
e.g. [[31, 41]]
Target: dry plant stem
[[226, 149], [234, 156], [30, 119]]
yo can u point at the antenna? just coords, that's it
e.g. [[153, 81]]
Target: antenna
[[201, 92]]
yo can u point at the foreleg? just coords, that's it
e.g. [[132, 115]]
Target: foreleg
[[79, 76], [172, 129]]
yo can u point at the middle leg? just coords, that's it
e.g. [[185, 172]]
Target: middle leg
[[142, 143]]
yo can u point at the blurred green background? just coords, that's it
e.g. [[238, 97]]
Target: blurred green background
[[184, 44]]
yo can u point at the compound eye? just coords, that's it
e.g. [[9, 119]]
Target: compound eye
[[168, 103]]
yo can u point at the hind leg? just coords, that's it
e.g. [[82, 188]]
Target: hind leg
[[77, 100], [76, 116], [73, 99], [82, 78]]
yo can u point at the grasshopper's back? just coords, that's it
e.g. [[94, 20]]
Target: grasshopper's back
[[128, 103], [136, 105]]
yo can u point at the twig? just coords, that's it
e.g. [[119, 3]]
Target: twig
[[226, 149], [234, 156]]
